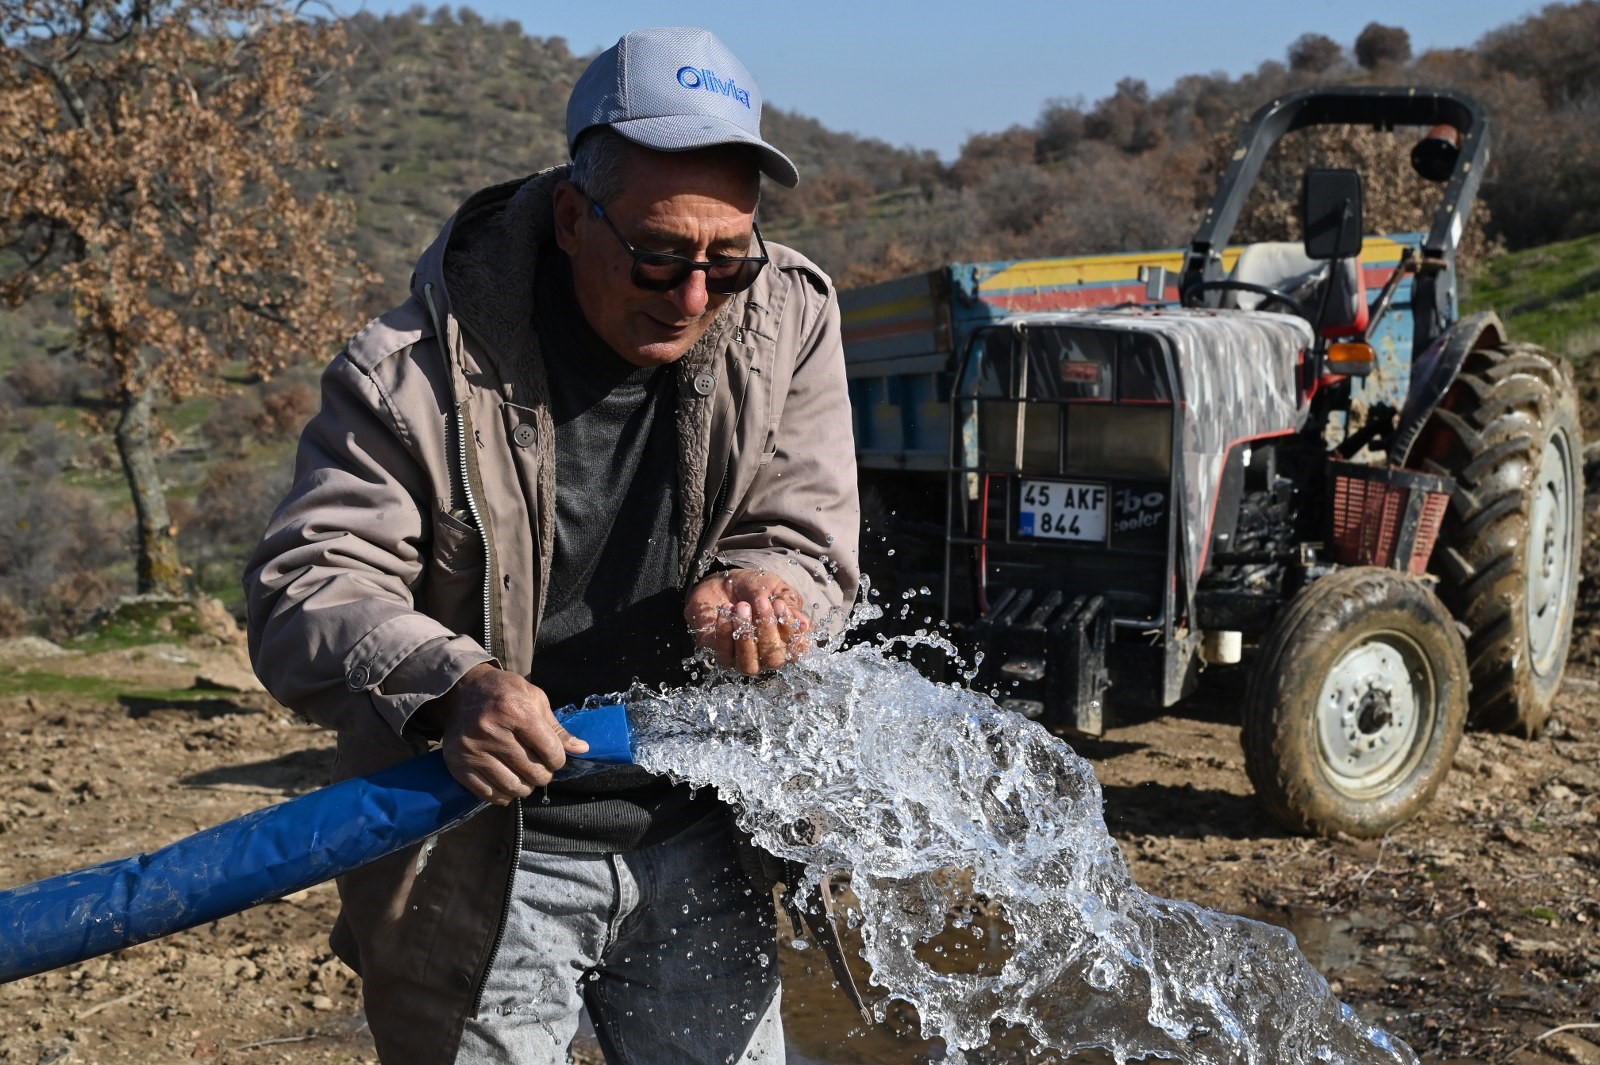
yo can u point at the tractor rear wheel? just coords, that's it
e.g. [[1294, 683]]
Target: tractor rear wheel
[[1355, 705], [1507, 559]]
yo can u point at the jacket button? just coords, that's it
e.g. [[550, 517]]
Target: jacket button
[[524, 435], [464, 981], [357, 678], [704, 383]]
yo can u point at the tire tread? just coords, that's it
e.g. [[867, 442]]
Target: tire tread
[[1497, 418]]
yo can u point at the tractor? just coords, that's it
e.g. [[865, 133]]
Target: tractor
[[1293, 459]]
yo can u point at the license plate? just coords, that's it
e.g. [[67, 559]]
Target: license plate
[[1063, 510]]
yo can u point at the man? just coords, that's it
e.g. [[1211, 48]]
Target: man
[[609, 424]]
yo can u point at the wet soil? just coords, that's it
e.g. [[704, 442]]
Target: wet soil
[[1469, 932]]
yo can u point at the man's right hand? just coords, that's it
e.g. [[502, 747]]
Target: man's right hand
[[501, 739]]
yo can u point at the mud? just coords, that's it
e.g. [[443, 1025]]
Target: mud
[[1469, 932]]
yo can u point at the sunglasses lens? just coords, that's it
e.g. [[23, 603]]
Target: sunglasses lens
[[727, 277], [659, 273], [662, 273]]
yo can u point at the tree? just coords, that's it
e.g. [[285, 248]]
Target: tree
[[1395, 199], [149, 151], [1313, 53], [1380, 45], [1061, 130]]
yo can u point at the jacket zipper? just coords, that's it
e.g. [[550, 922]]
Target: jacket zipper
[[471, 499], [477, 522], [505, 917]]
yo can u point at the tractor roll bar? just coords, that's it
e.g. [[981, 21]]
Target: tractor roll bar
[[1382, 108]]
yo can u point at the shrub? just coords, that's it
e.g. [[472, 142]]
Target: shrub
[[41, 382], [57, 545], [1313, 53], [285, 409], [1380, 46], [48, 448]]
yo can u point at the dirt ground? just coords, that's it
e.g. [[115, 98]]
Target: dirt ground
[[1469, 932]]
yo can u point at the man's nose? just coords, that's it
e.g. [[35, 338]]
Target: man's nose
[[691, 297]]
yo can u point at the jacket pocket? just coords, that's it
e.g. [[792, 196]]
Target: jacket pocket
[[454, 592]]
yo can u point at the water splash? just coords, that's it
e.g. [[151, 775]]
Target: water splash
[[851, 760]]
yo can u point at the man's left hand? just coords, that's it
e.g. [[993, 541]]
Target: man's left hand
[[750, 619]]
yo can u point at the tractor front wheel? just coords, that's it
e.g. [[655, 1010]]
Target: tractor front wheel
[[1356, 704]]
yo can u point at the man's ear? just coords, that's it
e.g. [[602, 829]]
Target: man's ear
[[570, 205]]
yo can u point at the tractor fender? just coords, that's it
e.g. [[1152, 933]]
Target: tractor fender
[[1435, 370]]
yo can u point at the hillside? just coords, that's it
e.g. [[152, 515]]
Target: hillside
[[1548, 295], [447, 103], [436, 105]]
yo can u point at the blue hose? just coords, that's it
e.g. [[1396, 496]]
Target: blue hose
[[252, 859]]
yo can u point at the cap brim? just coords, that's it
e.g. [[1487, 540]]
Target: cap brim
[[686, 133]]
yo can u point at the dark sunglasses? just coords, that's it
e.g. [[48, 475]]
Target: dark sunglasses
[[659, 271]]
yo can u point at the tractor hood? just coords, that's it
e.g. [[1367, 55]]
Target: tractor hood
[[1238, 379]]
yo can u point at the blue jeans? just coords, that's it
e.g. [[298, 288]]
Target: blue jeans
[[671, 947]]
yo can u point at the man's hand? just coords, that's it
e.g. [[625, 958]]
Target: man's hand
[[750, 619], [501, 740]]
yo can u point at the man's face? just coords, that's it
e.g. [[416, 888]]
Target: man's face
[[696, 204]]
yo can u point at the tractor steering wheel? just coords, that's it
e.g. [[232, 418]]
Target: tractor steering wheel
[[1191, 295]]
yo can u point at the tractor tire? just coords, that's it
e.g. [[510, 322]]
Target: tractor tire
[[1507, 559], [1355, 705]]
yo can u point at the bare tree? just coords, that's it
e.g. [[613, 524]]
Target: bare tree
[[148, 153]]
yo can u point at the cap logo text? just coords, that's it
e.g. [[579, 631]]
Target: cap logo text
[[696, 78]]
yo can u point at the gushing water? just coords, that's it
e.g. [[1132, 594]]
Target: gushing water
[[851, 760]]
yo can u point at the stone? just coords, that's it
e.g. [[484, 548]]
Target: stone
[[225, 678], [1574, 1048]]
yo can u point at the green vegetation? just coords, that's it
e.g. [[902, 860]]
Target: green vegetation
[[1548, 295], [19, 682], [139, 622]]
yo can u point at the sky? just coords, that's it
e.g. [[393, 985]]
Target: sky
[[930, 74]]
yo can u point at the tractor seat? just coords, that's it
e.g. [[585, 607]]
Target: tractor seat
[[1284, 265]]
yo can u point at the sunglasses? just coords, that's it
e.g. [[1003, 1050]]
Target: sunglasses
[[659, 271]]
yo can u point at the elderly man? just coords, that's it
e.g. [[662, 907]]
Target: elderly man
[[609, 424]]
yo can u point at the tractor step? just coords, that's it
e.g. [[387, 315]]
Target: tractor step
[[1045, 654]]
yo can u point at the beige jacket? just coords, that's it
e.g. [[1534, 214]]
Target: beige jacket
[[374, 590]]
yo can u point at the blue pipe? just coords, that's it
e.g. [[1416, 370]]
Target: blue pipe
[[252, 859]]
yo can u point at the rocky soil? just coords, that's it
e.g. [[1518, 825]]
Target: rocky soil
[[1470, 932]]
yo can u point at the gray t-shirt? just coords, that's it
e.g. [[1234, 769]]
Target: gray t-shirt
[[613, 608]]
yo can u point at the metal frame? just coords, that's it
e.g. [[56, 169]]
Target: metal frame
[[1382, 108], [966, 547]]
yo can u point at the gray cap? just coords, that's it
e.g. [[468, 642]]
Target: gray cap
[[674, 90]]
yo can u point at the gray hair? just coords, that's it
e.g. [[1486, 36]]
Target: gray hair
[[600, 163]]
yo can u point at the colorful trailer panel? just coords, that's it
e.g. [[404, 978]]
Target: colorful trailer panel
[[902, 337]]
